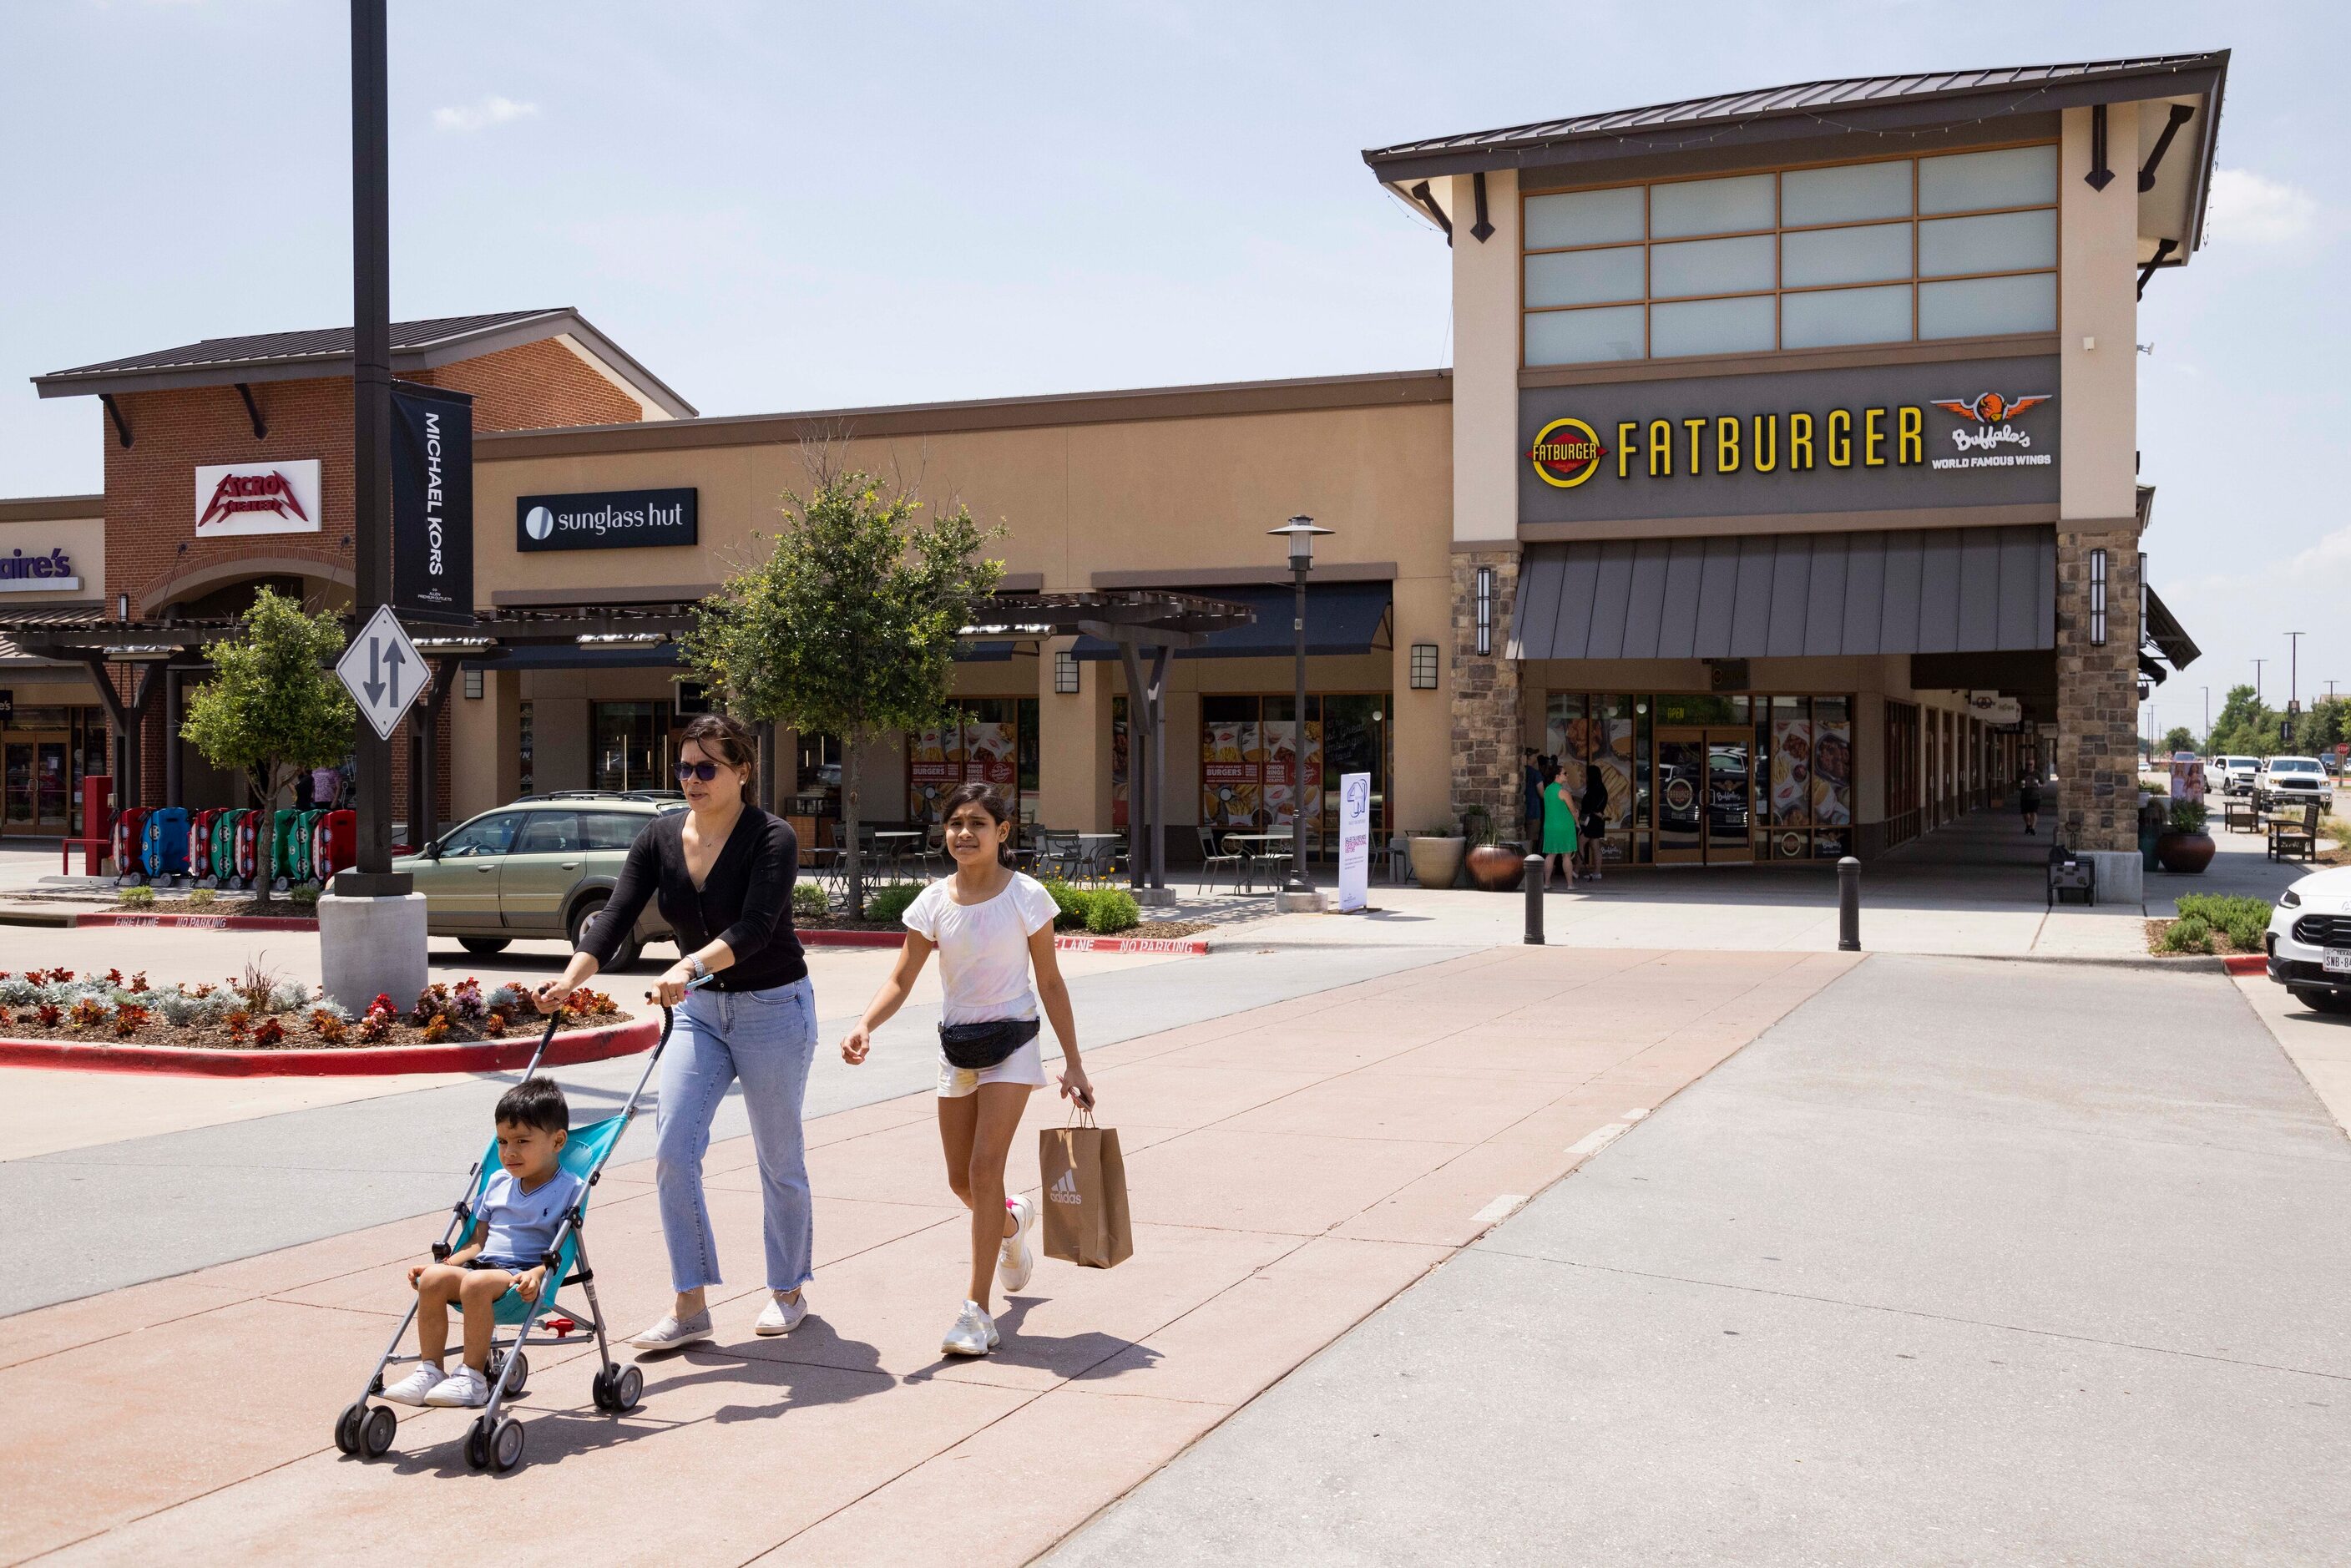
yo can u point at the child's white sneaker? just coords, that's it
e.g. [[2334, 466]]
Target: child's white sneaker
[[412, 1388], [464, 1388]]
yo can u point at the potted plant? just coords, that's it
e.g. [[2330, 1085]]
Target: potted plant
[[1494, 866], [2184, 847], [1435, 856]]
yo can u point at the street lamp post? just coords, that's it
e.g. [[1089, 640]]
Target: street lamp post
[[1301, 532]]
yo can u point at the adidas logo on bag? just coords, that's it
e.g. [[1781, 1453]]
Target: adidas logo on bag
[[1065, 1189]]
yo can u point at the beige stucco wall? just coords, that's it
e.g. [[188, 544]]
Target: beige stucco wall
[[1486, 361], [2097, 302]]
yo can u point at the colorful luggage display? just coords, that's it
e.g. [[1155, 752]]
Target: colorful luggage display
[[200, 845], [306, 840], [163, 842], [290, 850], [224, 846], [334, 844], [129, 840], [248, 850]]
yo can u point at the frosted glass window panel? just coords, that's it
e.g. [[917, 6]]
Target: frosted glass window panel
[[1844, 196], [1841, 315], [1582, 337], [1711, 326], [1710, 206], [1585, 277], [1971, 182], [1997, 242], [1710, 266], [1877, 254], [1978, 307], [1584, 217]]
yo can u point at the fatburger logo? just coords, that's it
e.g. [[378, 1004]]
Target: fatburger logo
[[1567, 453], [271, 491]]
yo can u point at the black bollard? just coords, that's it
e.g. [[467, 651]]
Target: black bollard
[[1848, 905], [1534, 865]]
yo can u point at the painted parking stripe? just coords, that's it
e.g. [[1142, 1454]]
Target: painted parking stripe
[[1592, 1143], [1501, 1209]]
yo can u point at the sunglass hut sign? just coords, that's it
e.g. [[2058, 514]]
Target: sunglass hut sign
[[1878, 437]]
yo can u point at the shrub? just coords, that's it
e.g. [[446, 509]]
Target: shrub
[[1112, 910], [88, 1014], [2220, 909], [136, 898], [1071, 902], [2187, 817], [887, 905], [179, 1008], [2246, 933], [328, 1027], [305, 897], [269, 1034], [198, 897], [809, 901], [17, 991], [2190, 933], [130, 1018]]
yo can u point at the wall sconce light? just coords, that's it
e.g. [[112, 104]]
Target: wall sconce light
[[473, 683], [1424, 667], [2098, 598], [1485, 609], [1065, 673]]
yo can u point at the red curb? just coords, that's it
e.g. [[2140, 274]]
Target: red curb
[[568, 1049], [1192, 947], [203, 922], [2245, 964]]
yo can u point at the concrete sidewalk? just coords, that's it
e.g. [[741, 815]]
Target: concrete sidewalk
[[1292, 1167], [1941, 1270]]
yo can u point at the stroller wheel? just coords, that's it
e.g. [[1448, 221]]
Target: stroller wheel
[[506, 1444], [477, 1444], [626, 1389], [599, 1388], [519, 1376], [378, 1431], [347, 1428]]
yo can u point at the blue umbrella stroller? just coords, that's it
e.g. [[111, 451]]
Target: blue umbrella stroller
[[495, 1440]]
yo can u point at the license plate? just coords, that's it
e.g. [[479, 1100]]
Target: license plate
[[2337, 961]]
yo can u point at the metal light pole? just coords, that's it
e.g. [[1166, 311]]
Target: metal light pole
[[370, 423], [2208, 718], [2293, 672], [1301, 532], [2257, 681]]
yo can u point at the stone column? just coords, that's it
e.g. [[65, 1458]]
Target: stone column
[[2097, 692], [1485, 689]]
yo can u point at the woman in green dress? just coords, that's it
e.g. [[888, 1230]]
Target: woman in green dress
[[1558, 824]]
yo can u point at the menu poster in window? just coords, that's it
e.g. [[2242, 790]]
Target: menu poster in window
[[1231, 775], [990, 754], [1282, 773], [1616, 762], [934, 768], [1791, 772], [1833, 773]]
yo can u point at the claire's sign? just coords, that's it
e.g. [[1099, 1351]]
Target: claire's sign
[[606, 519], [43, 571], [1966, 433]]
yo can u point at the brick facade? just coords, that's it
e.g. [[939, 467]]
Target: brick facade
[[1485, 693], [2097, 694]]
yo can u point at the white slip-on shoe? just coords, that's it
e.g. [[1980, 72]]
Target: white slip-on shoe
[[780, 1316], [412, 1388], [464, 1388], [672, 1333], [974, 1332], [1016, 1260]]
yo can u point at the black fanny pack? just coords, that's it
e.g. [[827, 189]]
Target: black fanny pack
[[973, 1046]]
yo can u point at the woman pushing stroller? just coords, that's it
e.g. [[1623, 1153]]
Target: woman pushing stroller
[[991, 926]]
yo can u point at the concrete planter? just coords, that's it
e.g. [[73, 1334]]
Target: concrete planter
[[1495, 868], [2185, 855], [1435, 863]]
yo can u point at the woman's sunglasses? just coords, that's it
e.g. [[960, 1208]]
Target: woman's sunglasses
[[706, 771]]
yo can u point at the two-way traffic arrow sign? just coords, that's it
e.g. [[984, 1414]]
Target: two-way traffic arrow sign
[[382, 671]]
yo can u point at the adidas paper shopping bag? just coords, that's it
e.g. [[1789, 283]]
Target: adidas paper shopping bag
[[1085, 1195]]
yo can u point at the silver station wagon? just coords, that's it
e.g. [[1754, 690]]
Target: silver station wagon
[[540, 868]]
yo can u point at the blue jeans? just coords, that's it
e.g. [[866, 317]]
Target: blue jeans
[[767, 1040]]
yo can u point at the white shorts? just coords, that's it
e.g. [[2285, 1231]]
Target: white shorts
[[1026, 1065]]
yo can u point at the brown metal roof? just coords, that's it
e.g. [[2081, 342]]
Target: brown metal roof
[[1842, 104]]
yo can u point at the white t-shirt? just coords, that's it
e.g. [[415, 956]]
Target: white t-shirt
[[983, 947], [522, 1224]]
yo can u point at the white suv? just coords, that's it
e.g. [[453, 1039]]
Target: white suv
[[2233, 775], [2310, 941], [2291, 782]]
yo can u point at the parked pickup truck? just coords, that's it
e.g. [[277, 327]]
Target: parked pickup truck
[[2290, 781], [2231, 775]]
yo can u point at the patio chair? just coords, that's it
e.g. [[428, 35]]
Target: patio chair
[[1057, 855], [1211, 858], [1399, 857], [2294, 835], [2237, 815]]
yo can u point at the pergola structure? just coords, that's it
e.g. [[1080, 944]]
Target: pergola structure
[[1147, 626]]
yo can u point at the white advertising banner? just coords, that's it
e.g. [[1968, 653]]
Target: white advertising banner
[[1354, 840], [257, 498]]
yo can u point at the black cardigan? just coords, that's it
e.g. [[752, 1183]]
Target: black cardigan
[[745, 901]]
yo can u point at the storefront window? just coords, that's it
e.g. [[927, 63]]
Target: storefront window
[[632, 746], [43, 754], [980, 740], [1252, 780], [1831, 777]]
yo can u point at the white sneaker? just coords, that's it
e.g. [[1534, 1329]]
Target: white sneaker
[[464, 1388], [412, 1388], [670, 1334], [1015, 1261], [780, 1316], [974, 1333]]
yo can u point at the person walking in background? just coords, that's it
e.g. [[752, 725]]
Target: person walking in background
[[2028, 802], [1592, 819], [1530, 783], [1558, 826]]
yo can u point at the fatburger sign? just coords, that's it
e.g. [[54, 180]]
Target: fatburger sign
[[257, 498]]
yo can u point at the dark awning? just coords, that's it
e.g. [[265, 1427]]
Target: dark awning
[[2169, 638], [1912, 590], [1340, 618]]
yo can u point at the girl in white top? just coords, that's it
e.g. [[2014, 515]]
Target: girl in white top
[[991, 926]]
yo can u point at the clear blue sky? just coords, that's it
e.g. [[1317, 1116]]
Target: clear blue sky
[[809, 206]]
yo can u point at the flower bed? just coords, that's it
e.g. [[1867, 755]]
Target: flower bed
[[259, 1011]]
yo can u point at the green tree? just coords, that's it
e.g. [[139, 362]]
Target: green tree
[[273, 703], [848, 627], [2246, 726], [2178, 738]]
